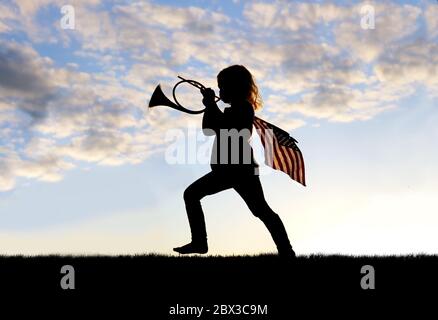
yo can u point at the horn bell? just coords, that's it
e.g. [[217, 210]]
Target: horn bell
[[159, 99]]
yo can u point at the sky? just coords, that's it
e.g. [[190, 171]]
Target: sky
[[85, 166]]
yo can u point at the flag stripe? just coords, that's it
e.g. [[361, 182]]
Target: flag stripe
[[269, 155], [295, 160], [281, 151], [290, 159], [286, 158], [302, 171], [293, 157], [282, 155], [267, 136], [279, 156]]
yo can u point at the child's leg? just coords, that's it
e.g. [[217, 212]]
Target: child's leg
[[250, 189], [211, 183]]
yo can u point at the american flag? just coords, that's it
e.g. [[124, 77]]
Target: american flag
[[281, 151]]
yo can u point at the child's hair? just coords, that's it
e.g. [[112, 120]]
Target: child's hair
[[241, 81]]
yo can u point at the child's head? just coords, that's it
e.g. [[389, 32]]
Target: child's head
[[237, 83]]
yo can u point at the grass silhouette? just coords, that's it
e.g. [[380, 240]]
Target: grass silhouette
[[158, 282]]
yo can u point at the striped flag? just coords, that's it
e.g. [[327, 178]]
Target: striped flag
[[281, 151]]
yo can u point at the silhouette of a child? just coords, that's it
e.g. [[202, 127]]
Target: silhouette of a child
[[232, 164]]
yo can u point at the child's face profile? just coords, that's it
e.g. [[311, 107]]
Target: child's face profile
[[224, 93]]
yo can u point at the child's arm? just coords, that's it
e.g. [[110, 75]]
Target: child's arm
[[213, 116]]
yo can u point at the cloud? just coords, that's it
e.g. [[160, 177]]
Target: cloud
[[47, 168], [28, 81], [292, 16], [431, 14], [194, 19], [393, 22], [22, 71], [108, 147], [411, 63], [311, 61], [6, 15], [7, 177], [25, 18], [323, 74], [141, 75], [339, 103], [80, 115], [141, 29]]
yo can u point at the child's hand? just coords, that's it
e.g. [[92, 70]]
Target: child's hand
[[209, 97]]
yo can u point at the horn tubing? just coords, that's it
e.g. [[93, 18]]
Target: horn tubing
[[177, 102], [195, 84]]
